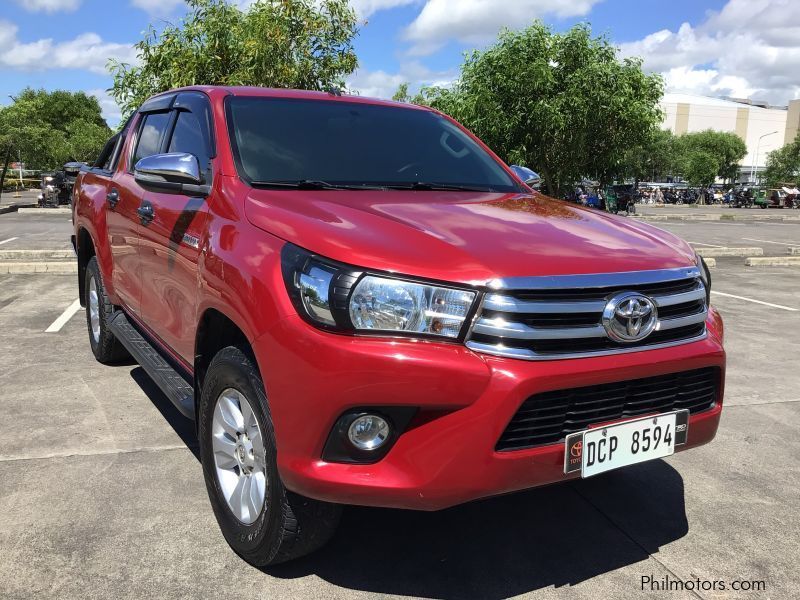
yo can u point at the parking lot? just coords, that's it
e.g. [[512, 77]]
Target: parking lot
[[103, 494]]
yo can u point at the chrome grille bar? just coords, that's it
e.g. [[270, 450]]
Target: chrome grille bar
[[520, 331], [502, 303], [563, 317]]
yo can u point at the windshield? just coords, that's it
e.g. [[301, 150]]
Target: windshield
[[329, 144]]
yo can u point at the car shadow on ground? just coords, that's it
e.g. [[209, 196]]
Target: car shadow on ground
[[183, 427], [501, 547], [495, 548]]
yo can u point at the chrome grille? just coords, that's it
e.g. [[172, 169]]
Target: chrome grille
[[545, 318]]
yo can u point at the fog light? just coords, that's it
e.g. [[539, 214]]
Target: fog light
[[368, 432]]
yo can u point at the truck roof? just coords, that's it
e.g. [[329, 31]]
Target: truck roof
[[262, 92]]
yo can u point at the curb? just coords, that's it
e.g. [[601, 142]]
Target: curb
[[719, 252], [28, 268], [36, 255], [718, 217], [773, 261], [44, 211]]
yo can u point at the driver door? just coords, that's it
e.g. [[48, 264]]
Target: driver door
[[171, 238]]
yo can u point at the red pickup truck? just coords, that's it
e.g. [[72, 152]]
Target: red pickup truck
[[359, 303]]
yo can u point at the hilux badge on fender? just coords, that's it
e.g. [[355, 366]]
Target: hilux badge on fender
[[630, 317]]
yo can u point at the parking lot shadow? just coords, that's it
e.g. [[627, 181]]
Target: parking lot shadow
[[495, 548], [505, 546], [183, 427]]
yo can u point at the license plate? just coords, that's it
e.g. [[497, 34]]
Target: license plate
[[602, 449]]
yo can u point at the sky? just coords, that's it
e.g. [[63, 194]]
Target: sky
[[740, 48]]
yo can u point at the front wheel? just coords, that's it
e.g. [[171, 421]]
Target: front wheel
[[263, 522]]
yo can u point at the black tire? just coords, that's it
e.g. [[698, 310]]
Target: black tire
[[289, 526], [105, 346]]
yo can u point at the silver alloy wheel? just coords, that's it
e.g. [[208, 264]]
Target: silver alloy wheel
[[94, 309], [239, 455]]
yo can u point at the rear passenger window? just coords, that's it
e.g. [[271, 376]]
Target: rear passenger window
[[151, 135], [188, 137]]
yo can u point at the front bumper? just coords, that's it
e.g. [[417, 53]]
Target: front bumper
[[446, 456]]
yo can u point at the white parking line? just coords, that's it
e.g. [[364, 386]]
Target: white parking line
[[8, 240], [64, 318], [702, 244], [771, 242], [756, 301]]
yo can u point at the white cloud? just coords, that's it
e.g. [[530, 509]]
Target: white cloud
[[751, 48], [49, 6], [111, 112], [157, 7], [365, 8], [478, 21], [87, 51], [380, 84]]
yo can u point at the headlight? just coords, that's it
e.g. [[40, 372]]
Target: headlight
[[705, 277], [335, 296], [382, 304]]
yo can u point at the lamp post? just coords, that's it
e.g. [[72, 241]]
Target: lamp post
[[19, 152], [755, 161]]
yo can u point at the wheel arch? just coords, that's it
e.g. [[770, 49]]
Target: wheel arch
[[216, 331], [85, 250]]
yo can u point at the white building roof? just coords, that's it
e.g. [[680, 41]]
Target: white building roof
[[697, 99]]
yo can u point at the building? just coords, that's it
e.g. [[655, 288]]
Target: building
[[763, 128]]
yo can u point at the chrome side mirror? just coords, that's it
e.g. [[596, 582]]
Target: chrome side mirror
[[527, 176], [176, 173]]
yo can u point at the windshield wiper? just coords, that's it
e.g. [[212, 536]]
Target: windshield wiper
[[426, 186], [312, 184]]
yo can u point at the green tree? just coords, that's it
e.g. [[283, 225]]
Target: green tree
[[401, 95], [783, 165], [726, 148], [304, 44], [563, 104], [47, 129], [655, 158], [700, 168]]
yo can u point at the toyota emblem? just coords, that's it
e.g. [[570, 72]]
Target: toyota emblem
[[630, 317]]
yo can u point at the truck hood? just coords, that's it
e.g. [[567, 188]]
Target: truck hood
[[463, 237]]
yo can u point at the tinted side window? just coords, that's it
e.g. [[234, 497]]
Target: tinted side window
[[151, 135], [188, 137]]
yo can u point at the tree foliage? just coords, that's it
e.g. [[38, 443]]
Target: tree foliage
[[47, 129], [563, 104], [705, 155], [401, 95], [305, 44], [654, 159], [783, 165], [700, 168]]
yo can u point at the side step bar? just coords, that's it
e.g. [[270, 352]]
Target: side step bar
[[172, 383]]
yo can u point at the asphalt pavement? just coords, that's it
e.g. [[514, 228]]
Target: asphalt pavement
[[103, 495]]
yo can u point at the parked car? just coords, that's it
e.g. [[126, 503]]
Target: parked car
[[782, 197], [358, 303], [71, 170]]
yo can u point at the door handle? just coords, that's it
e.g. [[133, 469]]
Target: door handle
[[112, 197], [146, 213]]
